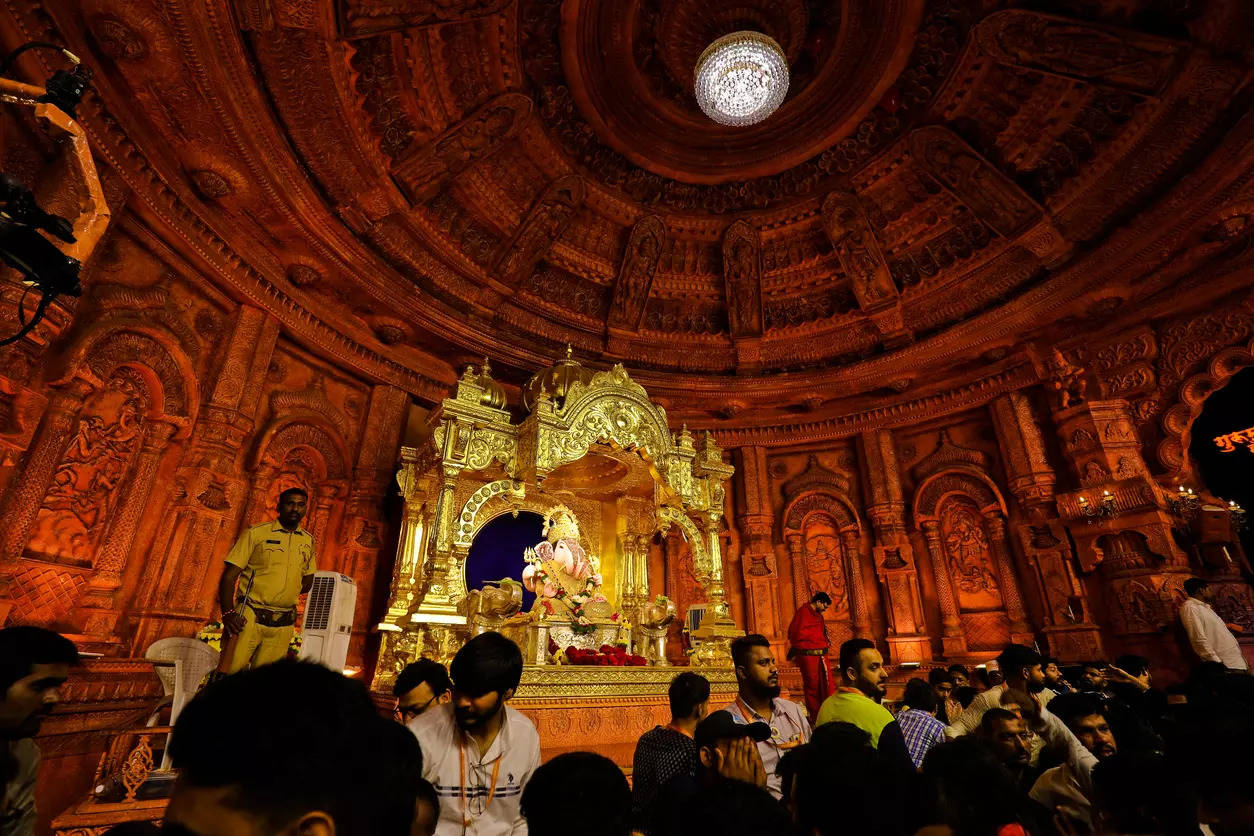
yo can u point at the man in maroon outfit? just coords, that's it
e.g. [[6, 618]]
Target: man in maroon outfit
[[808, 639]]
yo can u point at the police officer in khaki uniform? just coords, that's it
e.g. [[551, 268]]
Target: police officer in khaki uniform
[[269, 566]]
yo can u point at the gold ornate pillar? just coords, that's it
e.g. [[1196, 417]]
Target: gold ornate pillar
[[437, 597], [628, 588], [953, 642]]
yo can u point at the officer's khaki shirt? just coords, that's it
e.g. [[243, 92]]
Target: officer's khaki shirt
[[277, 560]]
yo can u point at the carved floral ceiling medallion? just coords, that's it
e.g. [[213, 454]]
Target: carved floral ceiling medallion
[[614, 82]]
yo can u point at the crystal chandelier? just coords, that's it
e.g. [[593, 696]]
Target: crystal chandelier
[[741, 78]]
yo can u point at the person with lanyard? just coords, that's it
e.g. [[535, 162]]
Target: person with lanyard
[[757, 701], [857, 702], [667, 754], [808, 644], [478, 752], [275, 561]]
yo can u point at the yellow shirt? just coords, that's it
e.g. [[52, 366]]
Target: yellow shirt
[[276, 560]]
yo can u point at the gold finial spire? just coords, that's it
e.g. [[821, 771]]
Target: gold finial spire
[[569, 351], [487, 368]]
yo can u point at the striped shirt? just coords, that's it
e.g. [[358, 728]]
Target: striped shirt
[[922, 731], [470, 803]]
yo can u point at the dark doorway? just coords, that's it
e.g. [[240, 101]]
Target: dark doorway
[[497, 551], [1229, 475]]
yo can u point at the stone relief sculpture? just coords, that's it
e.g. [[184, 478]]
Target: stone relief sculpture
[[846, 224], [970, 561], [635, 275], [549, 215], [426, 167], [742, 276]]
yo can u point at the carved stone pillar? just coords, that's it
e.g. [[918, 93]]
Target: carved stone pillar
[[97, 609], [995, 531], [177, 592], [1067, 628], [796, 556], [255, 507], [851, 545], [21, 504], [1141, 566], [761, 579], [953, 642], [765, 612], [320, 516], [894, 555]]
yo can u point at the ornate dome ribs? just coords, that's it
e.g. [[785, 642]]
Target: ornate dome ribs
[[507, 177]]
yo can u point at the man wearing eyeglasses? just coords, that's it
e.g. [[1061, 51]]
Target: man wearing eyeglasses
[[421, 685]]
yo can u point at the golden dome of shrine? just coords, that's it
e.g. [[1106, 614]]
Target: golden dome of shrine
[[556, 380]]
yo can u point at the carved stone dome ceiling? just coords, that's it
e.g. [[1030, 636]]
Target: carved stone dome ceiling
[[435, 180]]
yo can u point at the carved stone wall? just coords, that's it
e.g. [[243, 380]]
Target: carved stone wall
[[172, 419]]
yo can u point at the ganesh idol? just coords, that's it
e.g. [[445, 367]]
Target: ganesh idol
[[560, 571]]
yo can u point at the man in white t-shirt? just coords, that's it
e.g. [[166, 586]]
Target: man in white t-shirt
[[1211, 638], [478, 752]]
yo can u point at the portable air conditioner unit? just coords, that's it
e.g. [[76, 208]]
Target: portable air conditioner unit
[[328, 620]]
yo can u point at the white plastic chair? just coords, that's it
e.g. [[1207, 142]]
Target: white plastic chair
[[193, 660]]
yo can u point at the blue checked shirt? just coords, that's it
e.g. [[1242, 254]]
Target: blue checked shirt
[[922, 731]]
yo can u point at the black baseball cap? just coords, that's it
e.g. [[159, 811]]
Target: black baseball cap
[[721, 725]]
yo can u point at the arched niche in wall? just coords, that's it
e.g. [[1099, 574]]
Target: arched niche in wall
[[962, 516], [822, 532], [299, 451], [120, 394]]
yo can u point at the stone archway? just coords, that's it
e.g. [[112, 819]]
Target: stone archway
[[822, 531], [962, 516]]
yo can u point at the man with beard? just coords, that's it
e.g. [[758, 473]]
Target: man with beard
[[807, 639], [1010, 739], [478, 752], [1022, 669], [34, 663], [1059, 788], [864, 682], [757, 690], [1055, 682], [267, 569], [1093, 679]]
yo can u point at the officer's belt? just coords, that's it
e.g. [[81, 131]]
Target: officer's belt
[[268, 617], [822, 652]]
